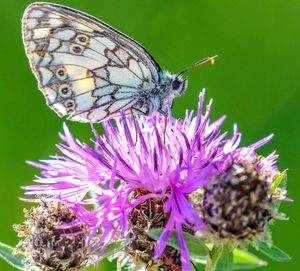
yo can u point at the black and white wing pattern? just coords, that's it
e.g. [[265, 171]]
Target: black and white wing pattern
[[86, 69]]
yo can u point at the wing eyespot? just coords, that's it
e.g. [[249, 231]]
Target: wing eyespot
[[70, 105], [77, 49], [82, 39], [64, 91], [61, 73]]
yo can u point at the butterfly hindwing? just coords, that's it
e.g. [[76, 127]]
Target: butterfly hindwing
[[86, 69]]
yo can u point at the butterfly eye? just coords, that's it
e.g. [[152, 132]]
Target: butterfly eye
[[176, 84], [61, 73], [77, 49], [65, 91], [82, 39], [70, 105]]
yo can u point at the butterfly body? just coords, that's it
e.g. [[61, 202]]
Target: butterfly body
[[90, 71]]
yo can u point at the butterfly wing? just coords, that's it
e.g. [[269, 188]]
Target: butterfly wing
[[86, 69]]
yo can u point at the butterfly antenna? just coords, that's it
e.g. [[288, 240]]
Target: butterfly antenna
[[210, 59]]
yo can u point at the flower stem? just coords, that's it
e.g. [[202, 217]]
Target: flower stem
[[213, 258]]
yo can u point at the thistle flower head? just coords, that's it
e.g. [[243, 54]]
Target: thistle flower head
[[238, 204], [165, 158], [48, 247]]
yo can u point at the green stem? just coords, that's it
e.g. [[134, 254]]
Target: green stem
[[213, 258]]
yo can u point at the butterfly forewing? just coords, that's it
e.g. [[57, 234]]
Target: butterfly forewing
[[86, 69]]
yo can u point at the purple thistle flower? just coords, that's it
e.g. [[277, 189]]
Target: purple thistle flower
[[168, 158], [72, 176]]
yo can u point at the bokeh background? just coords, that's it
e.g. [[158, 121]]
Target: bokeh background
[[255, 82]]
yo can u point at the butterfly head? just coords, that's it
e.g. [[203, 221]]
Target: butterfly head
[[172, 87], [178, 85]]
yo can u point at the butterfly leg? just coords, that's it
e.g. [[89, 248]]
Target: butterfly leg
[[165, 128], [135, 125], [166, 122]]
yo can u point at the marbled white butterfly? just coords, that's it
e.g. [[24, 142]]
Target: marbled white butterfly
[[90, 71]]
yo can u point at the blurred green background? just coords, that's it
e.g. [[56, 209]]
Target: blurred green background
[[255, 82]]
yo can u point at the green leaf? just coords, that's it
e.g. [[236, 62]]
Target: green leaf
[[196, 246], [6, 253], [225, 262], [115, 247], [241, 260], [276, 183], [273, 252], [246, 260]]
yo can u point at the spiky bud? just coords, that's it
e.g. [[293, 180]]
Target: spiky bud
[[48, 247], [237, 205]]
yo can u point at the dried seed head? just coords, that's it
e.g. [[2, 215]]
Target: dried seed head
[[237, 205], [146, 216], [46, 246]]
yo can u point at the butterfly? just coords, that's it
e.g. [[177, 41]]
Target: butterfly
[[89, 71]]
